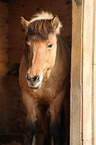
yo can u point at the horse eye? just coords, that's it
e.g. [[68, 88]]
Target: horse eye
[[50, 46]]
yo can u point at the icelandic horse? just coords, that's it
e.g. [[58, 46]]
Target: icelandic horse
[[44, 78]]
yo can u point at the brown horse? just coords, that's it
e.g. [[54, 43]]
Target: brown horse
[[44, 76]]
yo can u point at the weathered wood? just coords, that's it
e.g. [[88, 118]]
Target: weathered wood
[[87, 73], [94, 75], [84, 74], [76, 76]]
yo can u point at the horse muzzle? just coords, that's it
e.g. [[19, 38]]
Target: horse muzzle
[[34, 82]]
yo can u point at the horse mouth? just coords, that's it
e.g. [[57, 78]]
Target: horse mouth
[[34, 85]]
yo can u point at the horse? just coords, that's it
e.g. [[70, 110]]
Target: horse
[[44, 77]]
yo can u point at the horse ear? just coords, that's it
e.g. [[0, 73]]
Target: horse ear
[[24, 23], [57, 24]]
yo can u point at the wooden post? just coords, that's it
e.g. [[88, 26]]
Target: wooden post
[[76, 75], [88, 73], [94, 73], [83, 74]]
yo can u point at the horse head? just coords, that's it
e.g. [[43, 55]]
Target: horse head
[[40, 47]]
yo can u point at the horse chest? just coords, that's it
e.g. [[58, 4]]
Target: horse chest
[[44, 94], [48, 90]]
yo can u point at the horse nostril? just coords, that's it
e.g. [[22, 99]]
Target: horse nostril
[[28, 77], [36, 78]]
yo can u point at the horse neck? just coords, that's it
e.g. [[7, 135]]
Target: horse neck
[[61, 58]]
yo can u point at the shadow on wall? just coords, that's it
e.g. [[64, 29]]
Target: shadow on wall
[[13, 113]]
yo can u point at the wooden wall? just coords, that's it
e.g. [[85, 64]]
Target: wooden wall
[[12, 115], [3, 62], [3, 37]]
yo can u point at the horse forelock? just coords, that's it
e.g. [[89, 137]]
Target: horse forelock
[[42, 16], [40, 25], [40, 28]]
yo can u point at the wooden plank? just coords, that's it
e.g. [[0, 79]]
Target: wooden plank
[[3, 65], [3, 5], [87, 73], [4, 36], [76, 76], [3, 58], [4, 23], [4, 46], [3, 16], [4, 28], [3, 51], [94, 78], [4, 43]]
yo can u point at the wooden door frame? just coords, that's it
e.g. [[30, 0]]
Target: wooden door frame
[[76, 74], [83, 73]]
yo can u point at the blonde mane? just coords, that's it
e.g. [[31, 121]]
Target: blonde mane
[[45, 15], [41, 16]]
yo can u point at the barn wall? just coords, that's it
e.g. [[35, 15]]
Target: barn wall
[[3, 62], [12, 114], [3, 37]]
